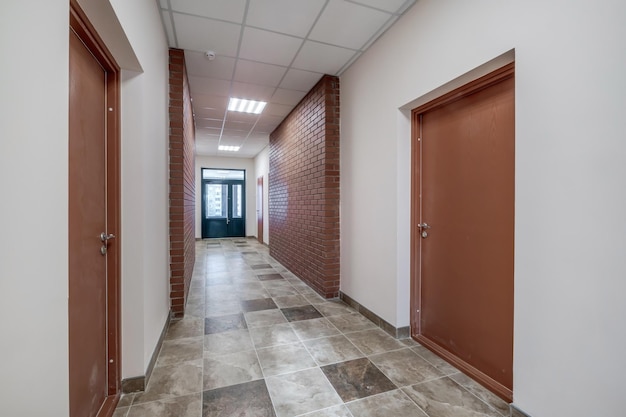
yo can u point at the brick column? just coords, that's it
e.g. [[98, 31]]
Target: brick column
[[304, 189], [182, 184]]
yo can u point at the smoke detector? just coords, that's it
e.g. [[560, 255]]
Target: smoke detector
[[210, 55]]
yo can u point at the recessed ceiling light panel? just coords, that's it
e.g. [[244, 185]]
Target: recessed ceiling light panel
[[246, 106], [228, 148]]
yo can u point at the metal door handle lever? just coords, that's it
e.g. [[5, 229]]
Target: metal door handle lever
[[104, 237], [423, 226]]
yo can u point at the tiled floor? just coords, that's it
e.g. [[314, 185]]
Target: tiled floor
[[256, 341]]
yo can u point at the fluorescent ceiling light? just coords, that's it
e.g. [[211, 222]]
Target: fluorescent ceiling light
[[246, 106], [228, 148]]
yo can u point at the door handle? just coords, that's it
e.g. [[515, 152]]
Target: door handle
[[104, 237], [227, 220], [423, 226]]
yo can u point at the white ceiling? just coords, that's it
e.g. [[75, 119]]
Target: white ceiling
[[267, 50]]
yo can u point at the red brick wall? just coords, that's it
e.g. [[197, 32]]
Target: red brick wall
[[304, 189], [182, 183]]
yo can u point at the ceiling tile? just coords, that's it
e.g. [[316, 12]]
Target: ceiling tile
[[202, 123], [272, 48], [381, 30], [252, 91], [221, 67], [231, 10], [322, 58], [347, 24], [208, 100], [289, 97], [391, 6], [258, 73], [294, 17], [280, 110], [235, 116], [200, 34], [208, 112], [211, 86], [169, 30], [296, 79]]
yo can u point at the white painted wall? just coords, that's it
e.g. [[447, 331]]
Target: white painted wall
[[262, 168], [145, 268], [33, 175], [570, 170], [228, 163], [33, 220]]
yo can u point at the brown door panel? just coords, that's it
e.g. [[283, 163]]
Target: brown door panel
[[467, 199]]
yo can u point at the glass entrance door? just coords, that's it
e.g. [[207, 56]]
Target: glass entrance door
[[223, 205]]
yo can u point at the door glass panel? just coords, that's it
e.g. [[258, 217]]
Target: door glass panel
[[222, 174], [216, 204], [237, 206]]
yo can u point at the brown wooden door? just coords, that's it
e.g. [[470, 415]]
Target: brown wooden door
[[465, 232], [259, 208], [93, 298]]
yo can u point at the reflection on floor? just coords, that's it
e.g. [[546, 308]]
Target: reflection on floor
[[256, 341]]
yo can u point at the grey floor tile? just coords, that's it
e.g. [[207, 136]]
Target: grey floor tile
[[332, 349], [251, 350], [126, 400], [291, 301], [264, 318], [224, 323], [392, 403], [121, 411], [187, 327], [285, 358], [351, 323], [231, 369], [172, 381], [439, 363], [180, 350], [278, 334], [356, 379], [445, 398], [185, 406], [314, 328], [483, 393], [305, 312], [336, 411], [405, 367], [282, 291], [250, 399], [301, 392], [227, 342], [374, 341], [334, 308], [257, 305], [222, 308]]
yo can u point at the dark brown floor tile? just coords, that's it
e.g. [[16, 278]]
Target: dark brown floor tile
[[269, 277], [261, 266], [258, 305], [250, 399], [301, 313], [224, 323], [356, 379]]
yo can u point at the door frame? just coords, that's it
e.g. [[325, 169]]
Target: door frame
[[230, 183], [79, 23], [481, 83], [260, 213]]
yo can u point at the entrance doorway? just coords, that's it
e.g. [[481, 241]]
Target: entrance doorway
[[463, 228], [93, 205], [223, 203]]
